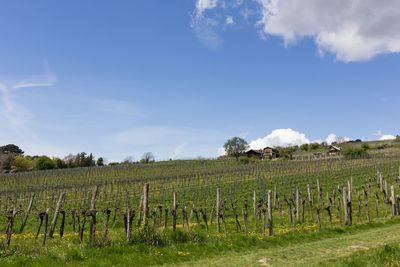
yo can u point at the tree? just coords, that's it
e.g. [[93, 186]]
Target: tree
[[45, 163], [100, 161], [128, 160], [315, 146], [235, 147], [60, 164], [11, 149], [6, 162], [21, 164], [147, 157], [286, 152], [304, 147]]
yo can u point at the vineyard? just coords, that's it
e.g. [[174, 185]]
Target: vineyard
[[178, 204]]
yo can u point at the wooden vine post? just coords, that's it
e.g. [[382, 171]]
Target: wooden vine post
[[92, 214], [218, 205], [10, 218], [345, 209], [270, 225], [310, 201], [146, 203], [393, 200], [174, 210], [297, 205], [28, 210], [255, 209], [56, 214]]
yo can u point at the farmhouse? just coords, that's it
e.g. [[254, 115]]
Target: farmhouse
[[270, 153], [266, 153], [333, 150], [254, 153]]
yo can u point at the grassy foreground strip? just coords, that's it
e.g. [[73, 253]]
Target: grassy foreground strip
[[353, 248], [330, 246]]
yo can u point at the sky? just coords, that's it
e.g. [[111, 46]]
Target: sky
[[178, 78]]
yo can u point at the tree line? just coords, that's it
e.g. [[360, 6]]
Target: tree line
[[12, 159]]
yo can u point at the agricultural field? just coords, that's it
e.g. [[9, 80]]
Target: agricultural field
[[205, 213]]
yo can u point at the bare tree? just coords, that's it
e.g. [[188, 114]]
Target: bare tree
[[147, 157]]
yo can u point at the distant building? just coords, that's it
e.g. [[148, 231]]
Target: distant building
[[270, 153], [254, 153], [266, 153], [334, 150]]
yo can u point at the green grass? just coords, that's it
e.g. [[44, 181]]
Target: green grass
[[387, 255], [329, 246]]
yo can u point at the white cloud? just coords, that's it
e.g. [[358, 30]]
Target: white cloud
[[229, 20], [280, 137], [15, 114], [221, 152], [333, 138], [205, 29], [203, 5], [352, 30], [387, 137]]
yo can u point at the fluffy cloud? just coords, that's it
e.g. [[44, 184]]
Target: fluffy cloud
[[352, 30], [280, 137], [203, 5], [333, 138], [221, 152], [229, 20], [387, 137]]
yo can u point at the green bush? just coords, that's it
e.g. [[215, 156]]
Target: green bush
[[350, 152], [315, 146], [45, 163], [365, 147], [149, 236], [21, 164], [304, 147], [180, 236]]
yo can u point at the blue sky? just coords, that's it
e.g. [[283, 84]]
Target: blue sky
[[120, 78]]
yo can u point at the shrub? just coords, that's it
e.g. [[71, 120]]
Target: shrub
[[22, 163], [365, 147], [180, 236], [354, 152], [304, 147], [45, 163], [315, 146], [149, 236]]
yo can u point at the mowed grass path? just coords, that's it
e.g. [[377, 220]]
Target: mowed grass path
[[326, 252]]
